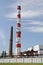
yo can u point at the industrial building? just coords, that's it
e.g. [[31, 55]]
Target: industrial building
[[38, 48]]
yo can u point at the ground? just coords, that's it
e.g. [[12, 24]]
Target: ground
[[21, 63]]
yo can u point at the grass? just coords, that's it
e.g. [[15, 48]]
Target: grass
[[21, 63]]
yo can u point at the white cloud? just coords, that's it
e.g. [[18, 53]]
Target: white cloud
[[33, 26], [12, 15], [27, 14], [36, 23], [35, 29], [31, 22], [30, 8]]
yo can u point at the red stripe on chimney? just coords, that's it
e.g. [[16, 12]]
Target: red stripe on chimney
[[18, 45]]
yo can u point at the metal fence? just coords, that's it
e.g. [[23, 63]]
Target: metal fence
[[22, 60]]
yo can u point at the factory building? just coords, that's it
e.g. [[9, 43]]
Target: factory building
[[38, 48]]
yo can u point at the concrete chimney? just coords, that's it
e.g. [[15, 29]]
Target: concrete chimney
[[11, 42], [18, 32]]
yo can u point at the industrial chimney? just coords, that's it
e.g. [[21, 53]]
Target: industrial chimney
[[11, 42], [18, 32]]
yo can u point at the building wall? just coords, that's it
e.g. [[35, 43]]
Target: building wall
[[39, 48]]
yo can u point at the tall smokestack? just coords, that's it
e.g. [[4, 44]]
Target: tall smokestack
[[18, 32], [11, 42]]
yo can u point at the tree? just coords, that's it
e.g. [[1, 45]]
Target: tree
[[3, 54]]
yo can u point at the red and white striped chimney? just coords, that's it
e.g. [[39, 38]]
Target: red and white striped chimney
[[18, 32]]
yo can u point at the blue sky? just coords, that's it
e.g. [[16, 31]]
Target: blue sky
[[31, 23]]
